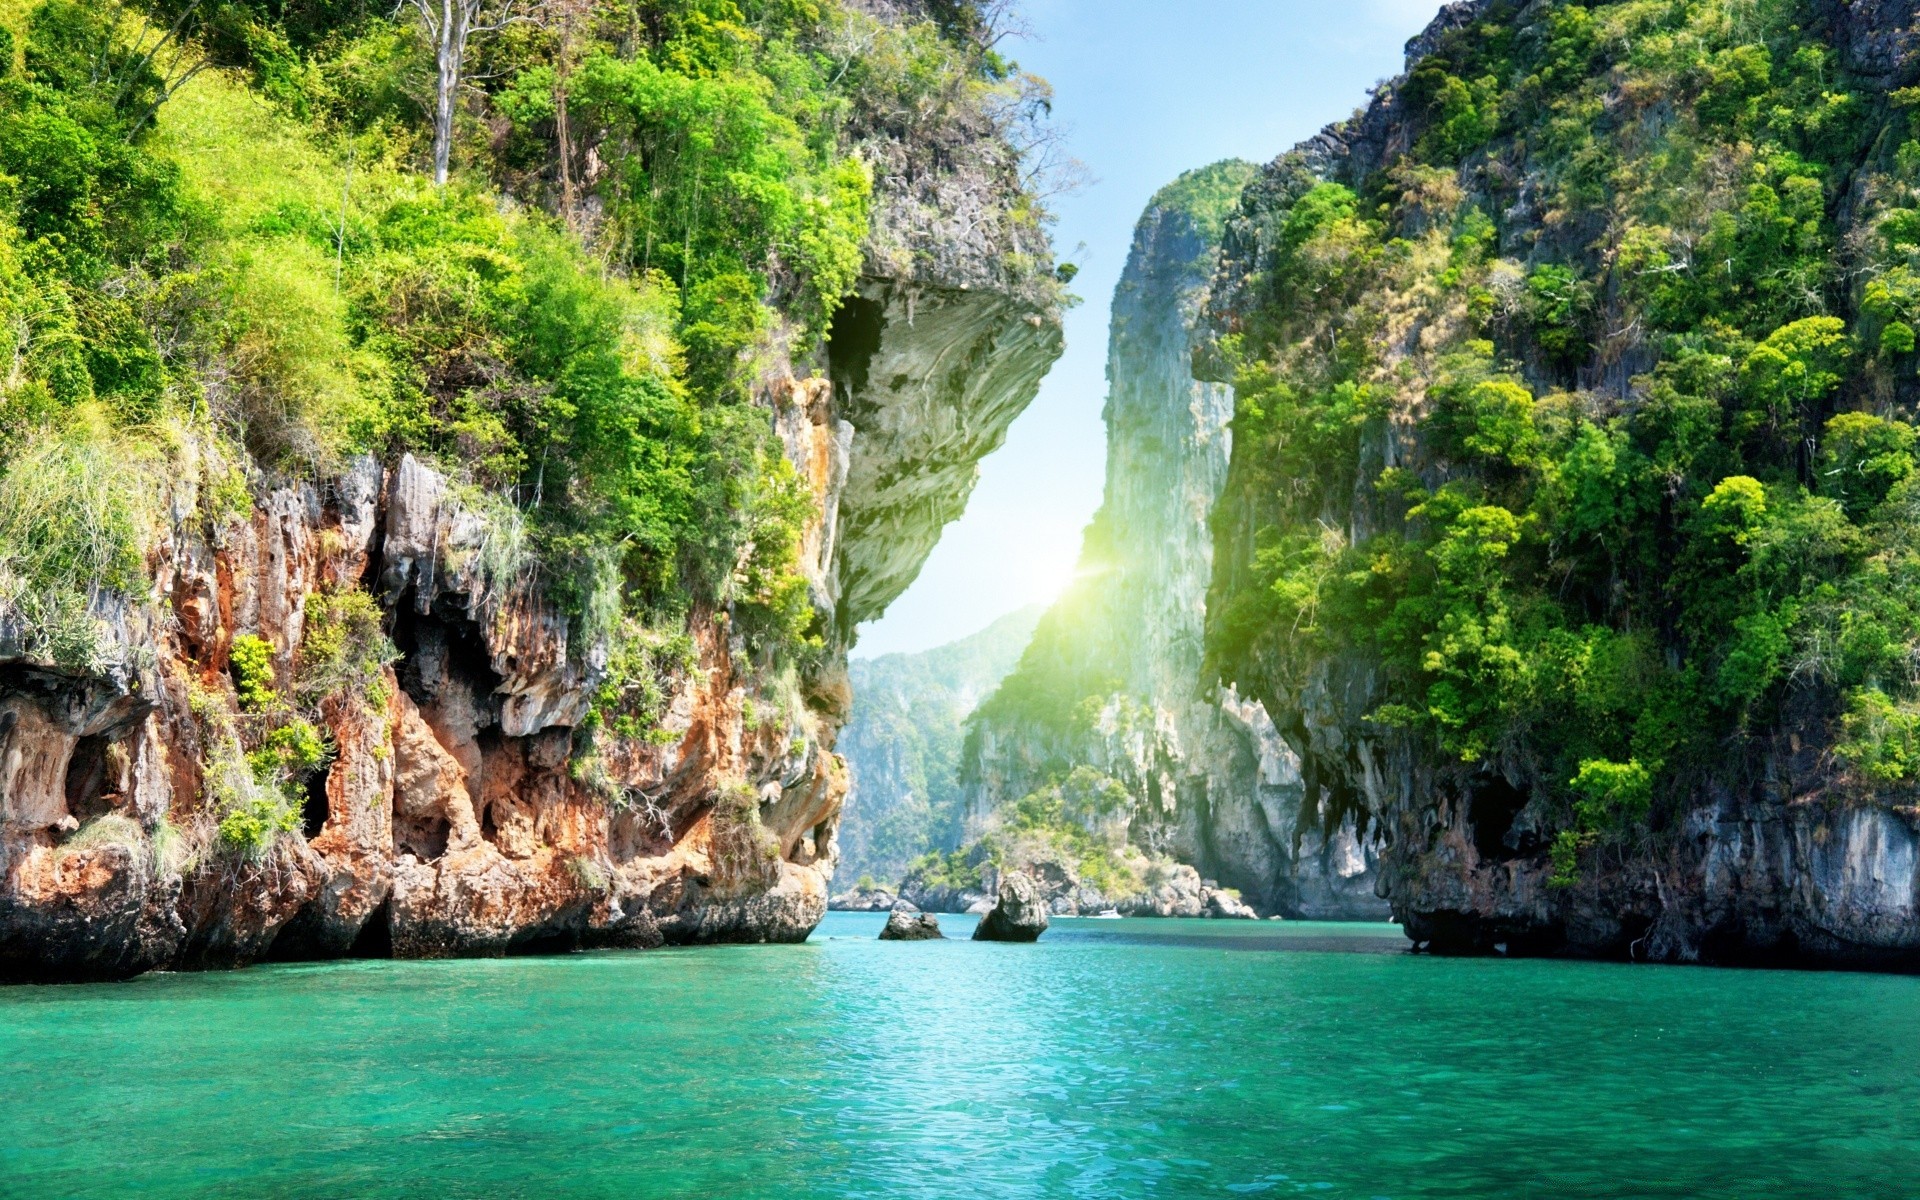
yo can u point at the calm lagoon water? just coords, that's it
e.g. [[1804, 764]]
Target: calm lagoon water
[[1113, 1059]]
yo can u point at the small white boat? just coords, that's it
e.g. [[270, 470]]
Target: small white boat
[[1111, 914]]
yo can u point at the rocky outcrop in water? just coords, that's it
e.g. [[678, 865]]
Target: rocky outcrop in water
[[1162, 890], [911, 927], [1226, 906], [1019, 916], [1770, 850], [1114, 681], [454, 814]]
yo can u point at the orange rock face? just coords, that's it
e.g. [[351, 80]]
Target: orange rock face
[[457, 807], [447, 819]]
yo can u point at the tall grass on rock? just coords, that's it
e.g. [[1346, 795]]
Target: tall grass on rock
[[74, 522]]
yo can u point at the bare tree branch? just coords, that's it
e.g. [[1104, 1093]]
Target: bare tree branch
[[451, 25], [129, 70]]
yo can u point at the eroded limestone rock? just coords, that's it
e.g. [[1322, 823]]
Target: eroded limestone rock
[[1773, 858], [1020, 915], [458, 814], [1208, 779], [911, 927]]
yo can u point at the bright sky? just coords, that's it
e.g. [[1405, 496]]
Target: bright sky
[[1146, 89]]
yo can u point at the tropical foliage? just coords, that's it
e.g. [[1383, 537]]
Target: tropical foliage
[[248, 255], [1644, 290], [227, 264]]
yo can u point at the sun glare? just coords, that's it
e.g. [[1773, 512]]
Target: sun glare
[[1049, 576]]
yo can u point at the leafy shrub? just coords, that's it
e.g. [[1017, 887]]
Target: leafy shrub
[[252, 825], [1865, 458], [1611, 798], [343, 650], [251, 662], [288, 752], [1881, 737], [252, 816], [633, 695], [1790, 373], [1559, 304]]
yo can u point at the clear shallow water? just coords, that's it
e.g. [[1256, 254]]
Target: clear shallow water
[[1114, 1059]]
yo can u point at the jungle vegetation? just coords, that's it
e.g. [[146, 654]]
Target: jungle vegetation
[[220, 226], [1624, 348], [549, 249]]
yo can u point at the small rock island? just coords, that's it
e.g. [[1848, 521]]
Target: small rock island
[[906, 925], [1020, 916]]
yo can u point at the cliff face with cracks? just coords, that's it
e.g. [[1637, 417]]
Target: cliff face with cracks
[[1113, 680], [1776, 850], [454, 816]]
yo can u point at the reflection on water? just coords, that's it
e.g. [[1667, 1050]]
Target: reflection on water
[[1115, 1058], [1331, 937]]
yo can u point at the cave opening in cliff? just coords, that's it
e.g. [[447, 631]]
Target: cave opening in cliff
[[544, 941], [1634, 931], [424, 837], [375, 939], [855, 339], [86, 782], [1492, 807], [437, 648], [313, 807], [1731, 942]]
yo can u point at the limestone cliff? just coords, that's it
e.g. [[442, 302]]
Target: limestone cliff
[[457, 810], [1530, 198], [1113, 681]]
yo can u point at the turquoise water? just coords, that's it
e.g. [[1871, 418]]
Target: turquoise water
[[1113, 1059]]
